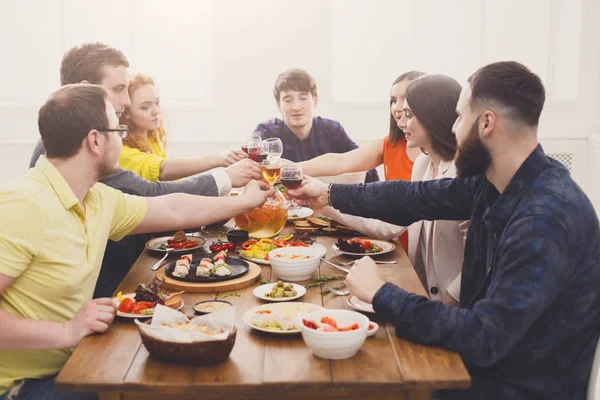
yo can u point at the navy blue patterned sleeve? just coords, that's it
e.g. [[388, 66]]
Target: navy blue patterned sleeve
[[531, 272], [402, 202]]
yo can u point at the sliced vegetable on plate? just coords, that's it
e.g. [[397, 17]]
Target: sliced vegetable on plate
[[141, 304], [258, 250]]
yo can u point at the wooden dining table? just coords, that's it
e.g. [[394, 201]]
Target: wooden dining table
[[262, 366]]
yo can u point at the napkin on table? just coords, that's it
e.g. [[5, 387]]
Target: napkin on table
[[224, 319]]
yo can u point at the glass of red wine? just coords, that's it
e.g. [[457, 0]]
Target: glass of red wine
[[256, 148], [291, 177]]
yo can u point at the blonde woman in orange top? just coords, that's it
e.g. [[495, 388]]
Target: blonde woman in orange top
[[392, 151], [144, 146]]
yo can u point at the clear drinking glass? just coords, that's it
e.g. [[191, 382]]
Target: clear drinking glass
[[275, 148]]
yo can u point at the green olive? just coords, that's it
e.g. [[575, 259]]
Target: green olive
[[278, 295], [288, 293], [288, 286], [279, 284]]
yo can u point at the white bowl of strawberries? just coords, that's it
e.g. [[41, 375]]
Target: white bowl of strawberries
[[334, 334]]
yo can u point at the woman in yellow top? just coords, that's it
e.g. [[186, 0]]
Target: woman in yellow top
[[144, 147]]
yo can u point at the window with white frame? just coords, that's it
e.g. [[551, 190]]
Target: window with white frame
[[453, 37], [171, 41]]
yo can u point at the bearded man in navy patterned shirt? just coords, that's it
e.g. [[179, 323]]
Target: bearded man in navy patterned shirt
[[529, 314], [303, 136]]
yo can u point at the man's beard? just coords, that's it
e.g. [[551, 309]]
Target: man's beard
[[472, 157], [104, 170]]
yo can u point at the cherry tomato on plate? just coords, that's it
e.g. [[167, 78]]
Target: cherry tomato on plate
[[220, 245], [126, 305]]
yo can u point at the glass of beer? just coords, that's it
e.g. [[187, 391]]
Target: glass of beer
[[291, 178], [271, 170]]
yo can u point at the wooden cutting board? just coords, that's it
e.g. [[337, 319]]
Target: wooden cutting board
[[212, 287]]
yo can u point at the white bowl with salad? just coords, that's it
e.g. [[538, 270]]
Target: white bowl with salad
[[295, 263], [334, 334]]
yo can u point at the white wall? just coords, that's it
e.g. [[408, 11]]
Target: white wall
[[216, 61]]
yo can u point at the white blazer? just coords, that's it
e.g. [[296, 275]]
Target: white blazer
[[444, 247]]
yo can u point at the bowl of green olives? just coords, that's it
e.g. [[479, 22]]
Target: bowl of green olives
[[279, 291]]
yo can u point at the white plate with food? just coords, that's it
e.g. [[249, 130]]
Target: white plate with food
[[142, 312], [362, 247], [279, 318], [179, 243], [266, 250], [359, 305], [279, 291], [299, 213]]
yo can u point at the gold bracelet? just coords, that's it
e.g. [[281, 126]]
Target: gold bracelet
[[329, 195]]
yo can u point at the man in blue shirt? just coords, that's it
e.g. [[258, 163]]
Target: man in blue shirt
[[303, 136], [529, 315]]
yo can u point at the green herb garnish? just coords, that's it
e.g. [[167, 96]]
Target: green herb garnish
[[320, 280]]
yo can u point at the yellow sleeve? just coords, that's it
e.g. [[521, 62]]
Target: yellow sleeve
[[21, 234], [129, 211], [145, 165]]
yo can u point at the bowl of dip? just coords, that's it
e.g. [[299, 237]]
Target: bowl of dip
[[210, 306]]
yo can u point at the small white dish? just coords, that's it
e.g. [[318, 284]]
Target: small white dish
[[262, 290], [299, 213], [359, 305], [373, 327], [134, 316]]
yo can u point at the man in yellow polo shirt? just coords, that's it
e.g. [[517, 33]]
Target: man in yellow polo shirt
[[55, 222]]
